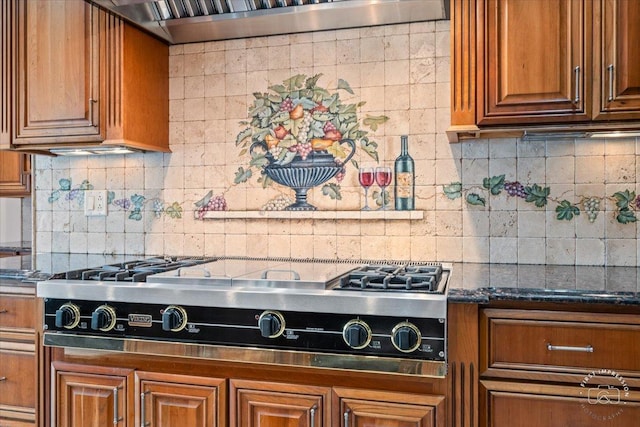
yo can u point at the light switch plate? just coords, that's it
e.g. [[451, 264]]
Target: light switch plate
[[95, 202]]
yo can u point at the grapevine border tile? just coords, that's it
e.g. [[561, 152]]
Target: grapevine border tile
[[626, 202]]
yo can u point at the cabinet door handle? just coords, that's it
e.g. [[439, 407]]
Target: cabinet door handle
[[3, 379], [143, 417], [577, 74], [312, 413], [610, 69], [91, 102], [116, 417], [586, 349], [346, 418], [3, 310]]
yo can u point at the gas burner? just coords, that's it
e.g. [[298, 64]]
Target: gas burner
[[134, 271], [393, 278]]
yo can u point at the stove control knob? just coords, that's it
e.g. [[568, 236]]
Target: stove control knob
[[67, 316], [357, 334], [271, 324], [405, 336], [103, 318], [174, 318]]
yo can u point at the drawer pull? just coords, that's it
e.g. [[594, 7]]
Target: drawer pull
[[587, 349], [3, 379], [2, 311]]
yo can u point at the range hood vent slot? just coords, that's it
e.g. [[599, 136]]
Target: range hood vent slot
[[188, 21]]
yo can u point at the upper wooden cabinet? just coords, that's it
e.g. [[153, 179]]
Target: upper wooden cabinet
[[557, 65], [616, 70], [78, 77], [15, 174]]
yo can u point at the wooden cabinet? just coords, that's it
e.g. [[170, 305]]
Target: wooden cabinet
[[86, 395], [533, 62], [360, 408], [616, 52], [18, 357], [179, 400], [555, 368], [91, 398], [524, 404], [547, 65], [264, 404], [76, 76], [15, 174]]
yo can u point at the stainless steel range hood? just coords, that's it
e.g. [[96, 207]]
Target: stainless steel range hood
[[188, 21]]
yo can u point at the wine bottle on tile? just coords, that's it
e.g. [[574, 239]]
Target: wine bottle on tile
[[404, 174]]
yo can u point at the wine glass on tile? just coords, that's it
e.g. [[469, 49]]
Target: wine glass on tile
[[383, 179], [365, 176]]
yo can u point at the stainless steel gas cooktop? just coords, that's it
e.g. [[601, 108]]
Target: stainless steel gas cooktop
[[337, 313]]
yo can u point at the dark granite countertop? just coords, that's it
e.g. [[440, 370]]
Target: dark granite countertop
[[482, 283]]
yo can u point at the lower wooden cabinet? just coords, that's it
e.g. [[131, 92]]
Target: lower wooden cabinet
[[92, 396], [179, 400], [18, 357], [553, 368], [263, 404], [368, 408], [518, 404]]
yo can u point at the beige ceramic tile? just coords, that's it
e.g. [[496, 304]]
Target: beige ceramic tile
[[449, 249], [561, 251], [531, 250], [590, 252], [621, 252], [589, 169], [475, 249], [503, 250]]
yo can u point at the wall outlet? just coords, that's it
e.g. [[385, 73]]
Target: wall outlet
[[95, 202]]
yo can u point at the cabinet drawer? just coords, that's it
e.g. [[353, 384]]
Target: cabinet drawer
[[527, 405], [18, 379], [17, 311], [560, 341]]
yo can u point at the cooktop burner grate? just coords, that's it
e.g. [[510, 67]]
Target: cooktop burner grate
[[398, 278], [134, 271]]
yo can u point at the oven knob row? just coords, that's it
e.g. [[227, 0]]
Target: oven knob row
[[357, 334], [405, 337], [67, 316], [103, 318], [174, 318], [271, 324]]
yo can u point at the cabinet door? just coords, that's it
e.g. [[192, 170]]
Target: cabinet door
[[616, 52], [15, 174], [167, 400], [534, 68], [262, 404], [531, 405], [58, 70], [360, 408], [84, 399]]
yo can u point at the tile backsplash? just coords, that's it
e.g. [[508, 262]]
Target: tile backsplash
[[537, 212]]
